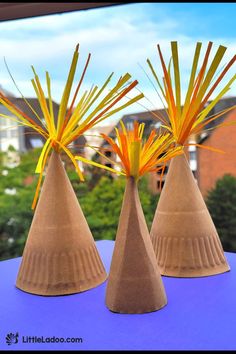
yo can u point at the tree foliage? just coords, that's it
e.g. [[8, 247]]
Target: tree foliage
[[221, 202], [102, 206], [101, 203]]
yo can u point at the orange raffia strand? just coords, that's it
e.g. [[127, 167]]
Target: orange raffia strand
[[136, 128], [113, 145], [116, 149], [125, 150], [149, 141], [207, 148], [147, 158], [156, 169]]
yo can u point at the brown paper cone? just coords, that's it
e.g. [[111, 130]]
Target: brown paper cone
[[60, 256], [184, 237], [134, 281]]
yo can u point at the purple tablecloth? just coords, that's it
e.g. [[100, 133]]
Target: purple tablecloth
[[200, 314]]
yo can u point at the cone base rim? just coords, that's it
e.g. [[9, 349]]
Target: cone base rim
[[61, 293], [117, 310], [194, 274]]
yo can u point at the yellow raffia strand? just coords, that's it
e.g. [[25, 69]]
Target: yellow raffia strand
[[135, 150], [74, 119], [96, 164], [192, 117], [139, 156]]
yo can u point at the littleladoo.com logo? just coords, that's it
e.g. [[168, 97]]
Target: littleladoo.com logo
[[13, 338]]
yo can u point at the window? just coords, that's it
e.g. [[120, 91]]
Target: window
[[36, 142], [108, 153], [165, 171], [130, 125], [13, 133], [3, 133], [193, 155], [157, 125], [108, 165], [160, 184]]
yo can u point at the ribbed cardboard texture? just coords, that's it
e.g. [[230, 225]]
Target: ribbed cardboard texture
[[134, 282], [60, 255], [184, 237]]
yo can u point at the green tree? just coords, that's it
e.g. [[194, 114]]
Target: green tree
[[221, 202], [102, 206], [15, 204]]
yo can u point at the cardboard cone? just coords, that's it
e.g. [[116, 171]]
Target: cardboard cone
[[134, 281], [60, 256], [184, 237]]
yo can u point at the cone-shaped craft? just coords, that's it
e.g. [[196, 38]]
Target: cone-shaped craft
[[60, 256], [183, 234], [134, 282], [184, 237]]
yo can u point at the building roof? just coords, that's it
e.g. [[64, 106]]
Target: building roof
[[145, 116], [32, 138], [223, 104], [150, 117], [5, 92], [19, 102]]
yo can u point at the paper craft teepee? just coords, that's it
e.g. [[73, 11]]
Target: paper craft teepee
[[134, 281], [60, 256], [184, 237]]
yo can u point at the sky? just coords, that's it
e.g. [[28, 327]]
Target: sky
[[120, 39]]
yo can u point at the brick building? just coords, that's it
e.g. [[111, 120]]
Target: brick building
[[207, 166], [214, 165]]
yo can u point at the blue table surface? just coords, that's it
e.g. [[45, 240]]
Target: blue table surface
[[200, 314]]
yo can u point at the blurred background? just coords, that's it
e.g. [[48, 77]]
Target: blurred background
[[120, 37]]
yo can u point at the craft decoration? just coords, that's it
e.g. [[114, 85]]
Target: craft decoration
[[134, 281], [184, 237], [60, 255]]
